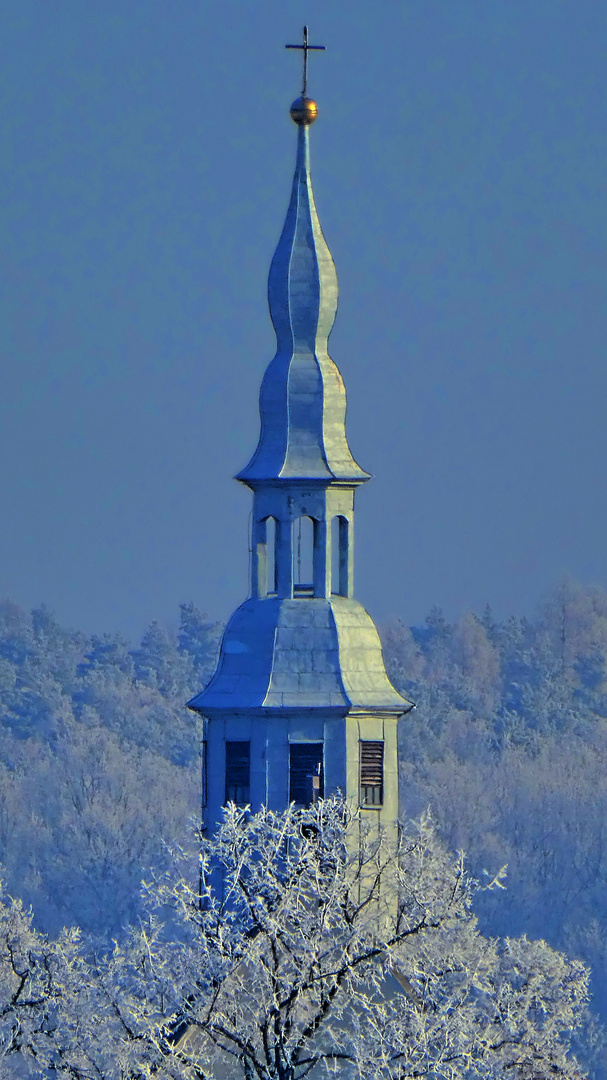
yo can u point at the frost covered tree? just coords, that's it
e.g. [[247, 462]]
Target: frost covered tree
[[99, 763], [40, 984], [316, 946]]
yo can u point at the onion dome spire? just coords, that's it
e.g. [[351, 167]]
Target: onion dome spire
[[303, 398]]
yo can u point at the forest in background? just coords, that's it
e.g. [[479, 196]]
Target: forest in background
[[99, 762]]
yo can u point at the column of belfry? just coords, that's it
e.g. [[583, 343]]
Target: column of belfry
[[300, 705]]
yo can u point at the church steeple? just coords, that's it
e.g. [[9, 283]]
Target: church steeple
[[300, 703], [303, 398]]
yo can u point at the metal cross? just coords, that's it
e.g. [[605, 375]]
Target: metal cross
[[305, 48]]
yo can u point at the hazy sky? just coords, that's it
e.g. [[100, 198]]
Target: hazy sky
[[459, 167]]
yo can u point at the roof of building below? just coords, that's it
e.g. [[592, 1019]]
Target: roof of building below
[[300, 654]]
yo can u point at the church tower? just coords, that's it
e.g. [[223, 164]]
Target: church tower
[[300, 705]]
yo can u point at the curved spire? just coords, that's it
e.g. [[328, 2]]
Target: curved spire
[[302, 284], [303, 399]]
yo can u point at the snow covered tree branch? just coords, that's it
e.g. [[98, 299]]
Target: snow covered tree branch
[[318, 945], [315, 945]]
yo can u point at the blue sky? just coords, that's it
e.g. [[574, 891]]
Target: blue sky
[[458, 164]]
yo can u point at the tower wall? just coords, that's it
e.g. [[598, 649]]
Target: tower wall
[[271, 739]]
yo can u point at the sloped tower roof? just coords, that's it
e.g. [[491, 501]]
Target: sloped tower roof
[[300, 654]]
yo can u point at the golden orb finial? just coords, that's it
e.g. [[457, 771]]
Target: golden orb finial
[[304, 111]]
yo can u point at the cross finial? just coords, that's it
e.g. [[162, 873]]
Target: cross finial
[[305, 48]]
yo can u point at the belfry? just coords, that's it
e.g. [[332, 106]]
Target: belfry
[[300, 705]]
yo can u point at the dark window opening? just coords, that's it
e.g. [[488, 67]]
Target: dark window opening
[[303, 555], [371, 773], [203, 773], [270, 555], [238, 773], [339, 555], [306, 780]]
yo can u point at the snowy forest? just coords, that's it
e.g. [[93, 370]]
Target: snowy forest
[[100, 777]]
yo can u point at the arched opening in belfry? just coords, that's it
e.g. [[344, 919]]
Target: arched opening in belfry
[[270, 582], [339, 555], [265, 538], [303, 554]]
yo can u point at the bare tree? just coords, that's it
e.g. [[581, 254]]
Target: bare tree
[[318, 945], [40, 982]]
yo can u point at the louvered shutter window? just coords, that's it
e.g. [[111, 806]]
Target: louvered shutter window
[[306, 781], [371, 773], [238, 773]]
